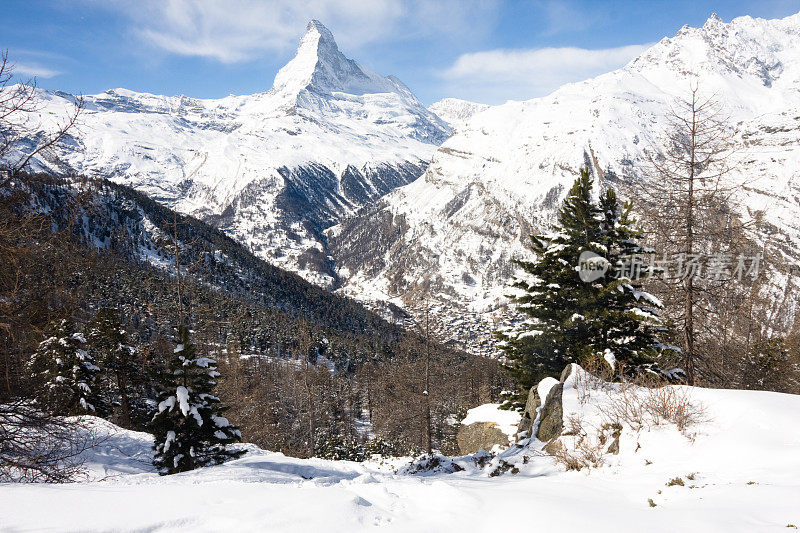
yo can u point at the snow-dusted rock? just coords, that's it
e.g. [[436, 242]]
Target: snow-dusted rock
[[551, 421], [485, 427]]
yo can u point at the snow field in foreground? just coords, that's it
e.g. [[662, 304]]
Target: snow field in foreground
[[739, 468]]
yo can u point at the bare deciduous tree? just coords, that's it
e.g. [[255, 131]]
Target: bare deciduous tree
[[22, 134], [688, 191], [38, 447]]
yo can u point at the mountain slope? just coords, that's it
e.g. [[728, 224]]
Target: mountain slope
[[455, 111], [228, 292], [503, 174], [272, 169]]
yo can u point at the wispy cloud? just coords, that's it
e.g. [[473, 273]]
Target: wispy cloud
[[494, 76], [232, 31], [34, 71]]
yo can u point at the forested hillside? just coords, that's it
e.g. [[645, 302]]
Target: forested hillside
[[295, 359]]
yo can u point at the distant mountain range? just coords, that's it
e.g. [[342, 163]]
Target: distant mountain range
[[502, 175], [456, 112], [344, 177], [274, 169]]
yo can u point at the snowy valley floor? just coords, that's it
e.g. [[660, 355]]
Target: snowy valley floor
[[745, 465]]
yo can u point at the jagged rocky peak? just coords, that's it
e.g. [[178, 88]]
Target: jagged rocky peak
[[745, 48], [272, 169], [319, 66]]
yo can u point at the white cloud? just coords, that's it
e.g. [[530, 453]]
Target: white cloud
[[232, 31], [494, 76], [34, 71]]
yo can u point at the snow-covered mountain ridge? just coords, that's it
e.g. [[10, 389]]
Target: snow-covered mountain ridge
[[455, 111], [272, 169], [502, 175]]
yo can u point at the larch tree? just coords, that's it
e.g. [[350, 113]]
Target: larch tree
[[688, 211]]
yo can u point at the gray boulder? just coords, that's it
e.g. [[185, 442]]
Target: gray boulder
[[525, 425], [479, 436], [551, 420], [566, 373], [533, 403], [552, 416], [529, 414]]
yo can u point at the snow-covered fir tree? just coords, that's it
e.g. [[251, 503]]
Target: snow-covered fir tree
[[188, 426], [627, 316], [65, 374], [575, 321]]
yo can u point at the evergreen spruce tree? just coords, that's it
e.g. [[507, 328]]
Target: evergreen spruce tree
[[65, 373], [187, 425], [117, 358], [573, 321], [627, 316]]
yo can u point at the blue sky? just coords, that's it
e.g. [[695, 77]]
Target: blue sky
[[482, 50]]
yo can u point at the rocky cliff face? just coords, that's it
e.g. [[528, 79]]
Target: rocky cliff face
[[453, 232]]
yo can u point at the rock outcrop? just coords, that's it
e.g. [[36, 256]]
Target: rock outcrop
[[486, 426], [551, 417], [480, 436]]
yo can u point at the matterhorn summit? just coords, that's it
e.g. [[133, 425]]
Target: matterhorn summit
[[319, 67], [272, 169]]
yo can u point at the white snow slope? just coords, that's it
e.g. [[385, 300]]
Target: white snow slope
[[273, 168], [455, 111], [739, 470], [503, 174]]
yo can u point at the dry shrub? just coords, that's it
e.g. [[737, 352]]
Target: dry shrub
[[674, 405], [38, 447], [595, 376], [586, 453], [641, 403], [642, 408], [583, 450]]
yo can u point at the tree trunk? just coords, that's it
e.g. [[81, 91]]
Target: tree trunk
[[426, 392], [688, 323], [122, 384]]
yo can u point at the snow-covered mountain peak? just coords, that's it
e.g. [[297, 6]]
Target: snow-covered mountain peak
[[274, 169], [455, 111], [503, 173], [757, 51], [320, 67]]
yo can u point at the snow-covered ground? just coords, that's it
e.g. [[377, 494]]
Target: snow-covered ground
[[739, 470]]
